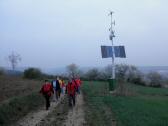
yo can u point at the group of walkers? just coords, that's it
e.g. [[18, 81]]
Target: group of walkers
[[57, 87]]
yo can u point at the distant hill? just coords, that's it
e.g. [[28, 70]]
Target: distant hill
[[144, 69], [13, 72], [160, 69], [60, 70]]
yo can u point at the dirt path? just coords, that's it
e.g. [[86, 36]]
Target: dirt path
[[76, 116], [34, 118], [58, 114]]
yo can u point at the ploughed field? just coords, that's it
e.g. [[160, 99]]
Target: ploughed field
[[18, 97], [16, 86], [145, 106]]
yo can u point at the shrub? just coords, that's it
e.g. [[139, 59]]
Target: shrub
[[32, 73], [92, 74], [155, 79], [1, 71], [121, 71], [135, 76], [107, 71]]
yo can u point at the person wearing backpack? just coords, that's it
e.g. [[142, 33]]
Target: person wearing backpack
[[47, 91], [57, 89], [63, 87], [60, 82], [54, 84]]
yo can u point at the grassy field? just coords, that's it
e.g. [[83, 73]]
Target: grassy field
[[147, 107]]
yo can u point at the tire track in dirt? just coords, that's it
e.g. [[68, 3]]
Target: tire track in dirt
[[76, 115], [34, 118]]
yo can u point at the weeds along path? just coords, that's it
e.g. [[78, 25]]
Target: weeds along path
[[34, 118], [76, 115]]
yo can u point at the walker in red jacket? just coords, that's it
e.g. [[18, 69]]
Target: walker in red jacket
[[47, 91], [78, 83], [71, 90]]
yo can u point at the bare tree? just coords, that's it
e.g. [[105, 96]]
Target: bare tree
[[72, 70], [14, 59]]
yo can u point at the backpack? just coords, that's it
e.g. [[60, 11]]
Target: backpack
[[54, 84], [46, 88]]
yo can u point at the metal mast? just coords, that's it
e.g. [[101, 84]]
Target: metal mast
[[111, 38]]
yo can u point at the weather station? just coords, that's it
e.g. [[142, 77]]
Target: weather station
[[112, 52]]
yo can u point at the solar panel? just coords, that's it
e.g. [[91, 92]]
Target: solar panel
[[119, 51]]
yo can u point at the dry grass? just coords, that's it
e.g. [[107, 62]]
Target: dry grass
[[16, 86], [18, 98]]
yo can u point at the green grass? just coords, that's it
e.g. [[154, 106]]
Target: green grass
[[148, 90], [97, 112], [149, 107], [16, 108]]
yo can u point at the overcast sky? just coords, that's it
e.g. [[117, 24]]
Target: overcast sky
[[55, 33]]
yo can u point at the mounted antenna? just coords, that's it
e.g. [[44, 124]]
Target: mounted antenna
[[111, 27]]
